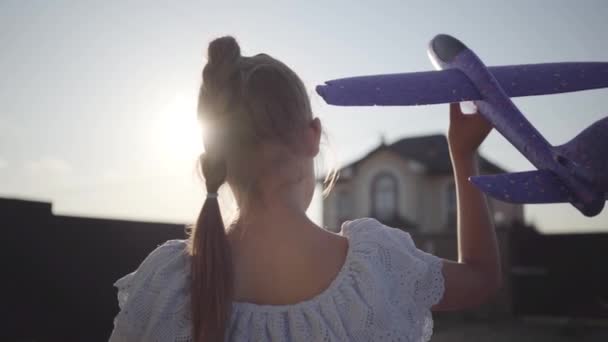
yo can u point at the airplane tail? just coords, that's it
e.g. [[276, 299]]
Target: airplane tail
[[588, 151]]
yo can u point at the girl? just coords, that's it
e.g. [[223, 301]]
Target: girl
[[276, 275]]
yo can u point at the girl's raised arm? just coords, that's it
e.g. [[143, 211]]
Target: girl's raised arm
[[477, 273]]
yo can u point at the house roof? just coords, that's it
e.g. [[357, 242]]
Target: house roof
[[431, 151]]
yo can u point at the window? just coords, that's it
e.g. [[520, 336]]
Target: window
[[450, 205], [384, 196]]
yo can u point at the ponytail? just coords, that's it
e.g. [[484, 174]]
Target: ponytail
[[211, 268], [243, 102]]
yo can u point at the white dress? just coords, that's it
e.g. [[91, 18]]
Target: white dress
[[383, 292]]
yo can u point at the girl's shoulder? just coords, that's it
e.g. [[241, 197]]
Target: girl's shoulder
[[157, 287], [396, 254], [167, 255], [158, 268], [369, 235], [375, 235]]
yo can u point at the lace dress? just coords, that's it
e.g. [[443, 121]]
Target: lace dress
[[383, 292]]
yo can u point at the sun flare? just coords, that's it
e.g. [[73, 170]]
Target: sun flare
[[181, 130]]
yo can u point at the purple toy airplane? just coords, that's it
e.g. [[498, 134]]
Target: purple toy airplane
[[576, 172]]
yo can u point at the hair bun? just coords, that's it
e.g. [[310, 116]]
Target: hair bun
[[223, 50], [219, 74]]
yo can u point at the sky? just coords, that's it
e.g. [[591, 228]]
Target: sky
[[98, 98]]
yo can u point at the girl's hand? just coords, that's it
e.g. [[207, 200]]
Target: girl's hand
[[467, 131]]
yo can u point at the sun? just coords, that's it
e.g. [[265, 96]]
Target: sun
[[180, 131]]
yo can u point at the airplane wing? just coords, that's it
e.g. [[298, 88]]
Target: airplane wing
[[524, 187], [433, 87]]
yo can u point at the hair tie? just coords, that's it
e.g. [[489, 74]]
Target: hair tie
[[212, 195]]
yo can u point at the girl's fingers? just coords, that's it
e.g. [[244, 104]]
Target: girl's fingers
[[455, 107], [455, 111]]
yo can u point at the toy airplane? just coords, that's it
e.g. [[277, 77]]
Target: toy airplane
[[576, 172]]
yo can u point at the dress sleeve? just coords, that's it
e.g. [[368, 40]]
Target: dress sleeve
[[153, 299], [415, 276], [424, 268], [429, 283]]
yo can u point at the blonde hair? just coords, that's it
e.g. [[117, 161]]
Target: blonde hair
[[243, 102]]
